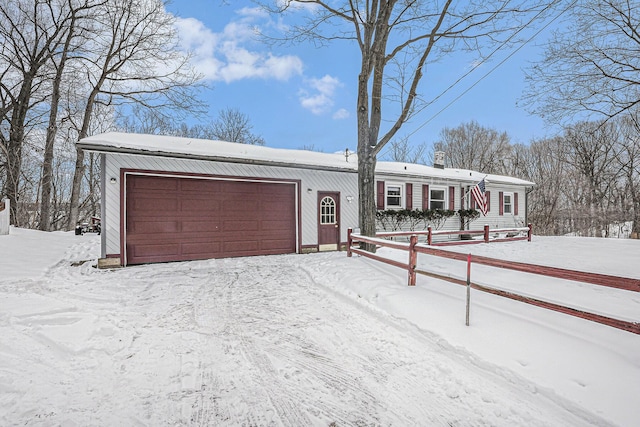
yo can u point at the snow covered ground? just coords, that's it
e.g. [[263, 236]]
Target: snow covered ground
[[310, 340]]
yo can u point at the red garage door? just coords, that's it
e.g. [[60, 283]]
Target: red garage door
[[178, 219]]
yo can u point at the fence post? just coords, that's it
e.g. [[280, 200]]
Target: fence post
[[468, 286], [349, 241], [429, 238], [529, 232], [486, 234], [413, 259]]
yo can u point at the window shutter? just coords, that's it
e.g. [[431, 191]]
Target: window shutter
[[472, 200], [501, 203], [515, 203], [488, 196], [452, 198], [409, 191], [380, 198], [425, 196]]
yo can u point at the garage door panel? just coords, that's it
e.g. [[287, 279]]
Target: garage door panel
[[200, 205], [200, 185], [159, 204], [200, 226], [275, 190], [153, 183], [236, 204], [239, 187], [237, 248], [174, 219], [201, 248], [276, 225], [270, 215], [154, 227], [240, 227], [145, 250], [275, 244]]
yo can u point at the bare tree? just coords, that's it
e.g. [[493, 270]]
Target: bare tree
[[591, 148], [474, 147], [542, 163], [58, 62], [30, 33], [133, 58], [591, 65], [233, 126], [407, 33], [401, 150], [629, 163], [138, 119]]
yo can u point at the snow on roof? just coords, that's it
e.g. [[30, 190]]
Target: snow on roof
[[228, 151]]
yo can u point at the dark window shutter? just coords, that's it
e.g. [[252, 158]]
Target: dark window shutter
[[473, 204], [501, 203], [488, 196], [515, 203], [409, 191], [425, 196], [380, 198], [452, 198]]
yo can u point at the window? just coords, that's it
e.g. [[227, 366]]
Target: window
[[437, 198], [327, 211], [508, 203], [394, 196]]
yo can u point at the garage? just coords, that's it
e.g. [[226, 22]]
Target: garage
[[179, 218]]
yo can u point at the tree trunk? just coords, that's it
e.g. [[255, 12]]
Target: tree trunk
[[13, 168], [367, 196], [52, 129], [14, 147], [367, 138], [47, 169], [74, 205]]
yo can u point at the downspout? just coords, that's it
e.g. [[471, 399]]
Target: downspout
[[103, 205]]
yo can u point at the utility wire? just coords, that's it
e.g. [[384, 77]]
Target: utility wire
[[537, 33]]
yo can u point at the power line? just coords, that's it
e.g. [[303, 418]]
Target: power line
[[492, 69]]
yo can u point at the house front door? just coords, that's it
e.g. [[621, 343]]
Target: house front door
[[328, 221]]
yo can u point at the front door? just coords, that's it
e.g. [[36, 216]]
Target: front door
[[328, 221]]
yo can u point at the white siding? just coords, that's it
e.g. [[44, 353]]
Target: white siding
[[316, 180], [493, 218], [452, 223]]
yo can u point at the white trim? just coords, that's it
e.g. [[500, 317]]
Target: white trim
[[445, 199], [402, 195], [332, 214], [506, 194]]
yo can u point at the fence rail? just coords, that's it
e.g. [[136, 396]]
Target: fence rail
[[413, 249], [486, 232]]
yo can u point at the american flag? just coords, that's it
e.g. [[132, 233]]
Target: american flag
[[480, 197]]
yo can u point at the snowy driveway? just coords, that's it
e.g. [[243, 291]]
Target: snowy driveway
[[251, 341]]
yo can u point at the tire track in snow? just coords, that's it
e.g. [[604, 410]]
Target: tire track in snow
[[319, 358]]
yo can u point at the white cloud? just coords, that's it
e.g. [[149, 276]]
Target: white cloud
[[320, 100], [341, 114], [230, 55]]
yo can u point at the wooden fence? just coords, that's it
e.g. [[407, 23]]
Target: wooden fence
[[510, 234], [413, 249]]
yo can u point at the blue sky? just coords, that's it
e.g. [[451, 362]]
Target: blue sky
[[303, 96]]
